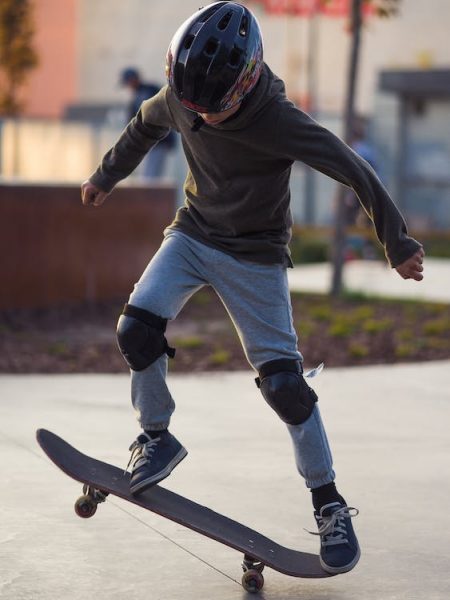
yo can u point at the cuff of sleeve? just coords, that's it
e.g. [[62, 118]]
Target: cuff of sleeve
[[103, 183], [408, 249]]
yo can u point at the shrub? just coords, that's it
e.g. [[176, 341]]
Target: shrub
[[307, 249], [305, 328], [189, 342], [363, 312], [374, 326], [358, 350], [220, 357], [340, 328], [202, 298], [404, 350], [406, 335], [322, 312], [58, 348], [436, 326]]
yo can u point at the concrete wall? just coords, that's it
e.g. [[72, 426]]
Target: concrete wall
[[114, 34], [84, 45], [56, 251]]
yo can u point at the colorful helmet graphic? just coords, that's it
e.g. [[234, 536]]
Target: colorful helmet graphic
[[215, 58]]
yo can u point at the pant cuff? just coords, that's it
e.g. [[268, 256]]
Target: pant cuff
[[315, 483], [155, 426]]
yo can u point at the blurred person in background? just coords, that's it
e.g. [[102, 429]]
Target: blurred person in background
[[154, 164], [358, 244], [361, 144], [241, 136]]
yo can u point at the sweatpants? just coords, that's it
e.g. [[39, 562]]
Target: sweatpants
[[256, 297]]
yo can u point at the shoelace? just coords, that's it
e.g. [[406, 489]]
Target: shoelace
[[141, 453], [332, 529]]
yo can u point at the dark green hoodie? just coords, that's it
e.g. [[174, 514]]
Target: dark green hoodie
[[237, 187]]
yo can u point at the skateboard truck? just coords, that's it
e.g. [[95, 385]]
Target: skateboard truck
[[252, 579], [86, 505]]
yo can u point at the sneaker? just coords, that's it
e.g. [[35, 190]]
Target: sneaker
[[339, 549], [152, 460]]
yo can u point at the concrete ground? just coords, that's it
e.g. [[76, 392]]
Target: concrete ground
[[378, 279], [389, 431]]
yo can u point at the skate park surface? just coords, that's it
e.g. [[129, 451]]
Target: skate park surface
[[388, 427]]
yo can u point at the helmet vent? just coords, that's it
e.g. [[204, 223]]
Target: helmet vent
[[207, 14], [235, 56], [188, 41], [223, 23], [243, 29], [211, 47]]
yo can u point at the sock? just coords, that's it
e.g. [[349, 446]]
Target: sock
[[154, 434], [325, 494]]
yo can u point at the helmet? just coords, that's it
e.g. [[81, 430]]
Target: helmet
[[215, 58]]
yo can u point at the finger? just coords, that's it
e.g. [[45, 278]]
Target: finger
[[416, 274], [99, 198], [403, 273], [92, 197], [412, 273]]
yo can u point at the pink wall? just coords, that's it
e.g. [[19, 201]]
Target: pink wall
[[53, 83]]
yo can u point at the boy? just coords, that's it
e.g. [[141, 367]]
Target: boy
[[240, 135]]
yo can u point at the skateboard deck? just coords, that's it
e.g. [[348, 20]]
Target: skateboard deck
[[100, 479]]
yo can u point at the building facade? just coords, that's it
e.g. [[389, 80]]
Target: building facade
[[83, 45]]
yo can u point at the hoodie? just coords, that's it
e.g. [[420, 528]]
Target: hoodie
[[237, 194]]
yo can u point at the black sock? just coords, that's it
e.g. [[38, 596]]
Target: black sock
[[154, 434], [325, 494]]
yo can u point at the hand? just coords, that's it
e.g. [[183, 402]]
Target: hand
[[91, 194], [412, 268]]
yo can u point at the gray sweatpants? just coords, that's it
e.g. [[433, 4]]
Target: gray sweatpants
[[257, 299]]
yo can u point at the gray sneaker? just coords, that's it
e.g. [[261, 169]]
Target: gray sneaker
[[152, 460]]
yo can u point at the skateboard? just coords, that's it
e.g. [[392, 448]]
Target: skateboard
[[100, 479]]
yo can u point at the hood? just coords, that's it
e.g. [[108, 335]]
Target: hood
[[268, 88]]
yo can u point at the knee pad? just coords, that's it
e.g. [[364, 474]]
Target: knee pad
[[140, 336], [283, 387]]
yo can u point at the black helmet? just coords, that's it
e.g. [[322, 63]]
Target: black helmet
[[215, 58]]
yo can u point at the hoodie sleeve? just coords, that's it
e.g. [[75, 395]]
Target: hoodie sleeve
[[301, 138], [151, 124]]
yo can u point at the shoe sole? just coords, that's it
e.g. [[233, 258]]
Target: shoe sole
[[151, 481], [344, 568]]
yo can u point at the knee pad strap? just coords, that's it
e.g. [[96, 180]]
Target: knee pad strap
[[285, 390], [140, 336]]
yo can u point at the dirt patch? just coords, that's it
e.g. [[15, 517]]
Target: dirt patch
[[349, 331]]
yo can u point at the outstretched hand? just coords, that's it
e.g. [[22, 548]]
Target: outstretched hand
[[412, 268], [91, 194]]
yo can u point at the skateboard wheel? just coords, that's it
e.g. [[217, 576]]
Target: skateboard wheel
[[252, 581], [85, 507]]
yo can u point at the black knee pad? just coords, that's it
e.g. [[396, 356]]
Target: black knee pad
[[140, 336], [282, 384]]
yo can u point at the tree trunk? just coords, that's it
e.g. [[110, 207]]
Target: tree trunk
[[340, 217]]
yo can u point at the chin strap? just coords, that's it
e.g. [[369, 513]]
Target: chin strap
[[198, 122]]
